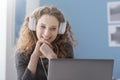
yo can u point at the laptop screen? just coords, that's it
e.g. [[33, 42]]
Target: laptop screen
[[80, 69]]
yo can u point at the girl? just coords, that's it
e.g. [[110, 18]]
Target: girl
[[45, 35]]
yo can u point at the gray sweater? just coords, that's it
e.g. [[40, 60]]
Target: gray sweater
[[23, 73]]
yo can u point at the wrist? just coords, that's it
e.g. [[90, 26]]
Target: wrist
[[53, 56], [34, 56]]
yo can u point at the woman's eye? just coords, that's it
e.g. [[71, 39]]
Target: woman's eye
[[53, 29], [43, 27]]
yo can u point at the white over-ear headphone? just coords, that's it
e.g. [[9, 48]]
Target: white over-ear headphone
[[32, 24]]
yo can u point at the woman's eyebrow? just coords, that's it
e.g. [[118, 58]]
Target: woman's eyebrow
[[42, 23]]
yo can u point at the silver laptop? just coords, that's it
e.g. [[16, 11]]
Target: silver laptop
[[80, 69]]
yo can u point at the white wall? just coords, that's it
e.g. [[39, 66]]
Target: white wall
[[10, 62], [3, 21]]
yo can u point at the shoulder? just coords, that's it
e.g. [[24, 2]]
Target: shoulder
[[19, 53], [21, 57], [68, 49]]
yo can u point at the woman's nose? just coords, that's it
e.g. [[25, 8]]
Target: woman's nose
[[46, 33]]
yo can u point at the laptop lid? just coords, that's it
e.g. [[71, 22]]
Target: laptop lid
[[80, 69]]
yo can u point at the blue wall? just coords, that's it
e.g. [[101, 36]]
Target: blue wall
[[20, 6], [89, 23]]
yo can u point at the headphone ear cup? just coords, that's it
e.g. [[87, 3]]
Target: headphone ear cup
[[31, 24], [62, 27]]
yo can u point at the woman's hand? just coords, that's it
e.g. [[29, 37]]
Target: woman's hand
[[36, 51], [32, 66], [46, 50]]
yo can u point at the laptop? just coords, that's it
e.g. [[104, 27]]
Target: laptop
[[80, 69]]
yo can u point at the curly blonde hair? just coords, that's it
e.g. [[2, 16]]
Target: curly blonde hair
[[26, 40]]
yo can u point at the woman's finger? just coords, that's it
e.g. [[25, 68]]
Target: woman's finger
[[49, 44]]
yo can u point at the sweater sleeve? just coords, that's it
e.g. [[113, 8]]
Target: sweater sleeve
[[23, 73]]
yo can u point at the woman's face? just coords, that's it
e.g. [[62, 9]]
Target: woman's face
[[47, 28]]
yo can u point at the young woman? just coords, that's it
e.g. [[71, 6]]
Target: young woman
[[45, 35]]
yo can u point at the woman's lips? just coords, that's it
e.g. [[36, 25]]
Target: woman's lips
[[46, 39]]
